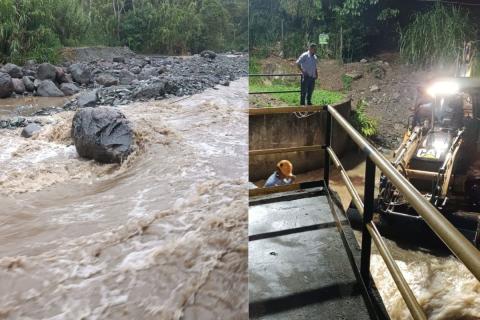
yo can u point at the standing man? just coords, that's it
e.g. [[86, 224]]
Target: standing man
[[307, 63]]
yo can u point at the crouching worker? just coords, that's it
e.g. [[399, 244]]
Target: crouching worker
[[282, 176]]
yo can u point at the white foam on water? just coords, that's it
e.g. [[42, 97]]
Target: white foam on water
[[444, 288], [164, 236]]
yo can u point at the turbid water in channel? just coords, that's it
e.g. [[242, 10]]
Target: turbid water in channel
[[25, 106], [162, 236], [443, 286]]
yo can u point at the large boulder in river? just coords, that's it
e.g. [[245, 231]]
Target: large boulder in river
[[80, 73], [69, 89], [18, 85], [150, 72], [28, 83], [13, 70], [47, 88], [87, 99], [150, 90], [126, 77], [6, 85], [46, 71], [30, 130], [103, 134], [106, 80], [60, 75]]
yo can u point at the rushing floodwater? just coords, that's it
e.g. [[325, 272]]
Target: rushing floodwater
[[444, 287], [164, 236]]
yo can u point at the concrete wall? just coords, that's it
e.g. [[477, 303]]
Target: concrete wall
[[286, 130]]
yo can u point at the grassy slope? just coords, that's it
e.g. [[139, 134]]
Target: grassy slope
[[320, 96]]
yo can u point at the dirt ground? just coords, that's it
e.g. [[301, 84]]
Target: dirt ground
[[387, 85]]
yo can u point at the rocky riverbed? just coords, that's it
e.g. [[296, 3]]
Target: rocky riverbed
[[117, 81]]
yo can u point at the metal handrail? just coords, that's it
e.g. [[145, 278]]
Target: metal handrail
[[463, 249], [455, 241], [274, 74]]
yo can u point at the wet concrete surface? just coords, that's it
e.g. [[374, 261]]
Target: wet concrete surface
[[302, 275]]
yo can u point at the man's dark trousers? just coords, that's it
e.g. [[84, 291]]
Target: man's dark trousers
[[307, 86]]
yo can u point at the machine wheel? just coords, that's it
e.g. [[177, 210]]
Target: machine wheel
[[354, 217]]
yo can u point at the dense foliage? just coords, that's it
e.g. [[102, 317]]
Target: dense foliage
[[37, 28], [436, 37], [366, 125], [288, 26]]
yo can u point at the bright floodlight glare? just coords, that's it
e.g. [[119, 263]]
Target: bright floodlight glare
[[440, 146], [443, 88]]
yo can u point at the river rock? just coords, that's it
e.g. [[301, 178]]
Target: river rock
[[13, 70], [29, 86], [136, 69], [87, 99], [47, 88], [149, 72], [18, 85], [46, 71], [60, 75], [6, 85], [30, 129], [149, 91], [102, 134], [68, 78], [106, 80], [69, 89], [119, 59], [80, 73], [354, 75], [208, 54], [36, 83], [126, 77], [29, 72]]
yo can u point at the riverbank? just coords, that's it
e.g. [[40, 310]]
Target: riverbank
[[118, 81]]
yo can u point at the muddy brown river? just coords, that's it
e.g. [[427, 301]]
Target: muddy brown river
[[162, 236], [25, 106]]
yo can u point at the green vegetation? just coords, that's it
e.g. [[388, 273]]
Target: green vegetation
[[254, 68], [36, 29], [362, 122], [436, 36], [320, 97], [285, 26], [427, 34], [347, 82]]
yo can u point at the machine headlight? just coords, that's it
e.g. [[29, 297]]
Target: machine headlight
[[443, 88]]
